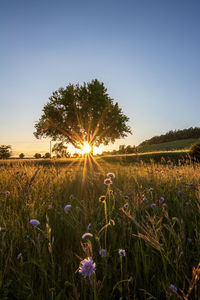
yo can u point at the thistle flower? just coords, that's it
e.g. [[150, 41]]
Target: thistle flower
[[153, 205], [87, 234], [111, 175], [102, 252], [67, 207], [34, 222], [173, 288], [122, 252], [108, 181], [87, 267]]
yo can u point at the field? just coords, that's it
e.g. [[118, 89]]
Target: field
[[143, 225], [169, 146]]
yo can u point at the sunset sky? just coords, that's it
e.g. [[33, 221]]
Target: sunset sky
[[146, 52]]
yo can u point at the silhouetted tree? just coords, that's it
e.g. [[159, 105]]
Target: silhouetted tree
[[21, 155], [79, 114], [5, 151], [38, 155], [60, 150], [47, 155]]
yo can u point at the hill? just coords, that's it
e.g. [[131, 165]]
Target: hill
[[171, 136], [168, 146]]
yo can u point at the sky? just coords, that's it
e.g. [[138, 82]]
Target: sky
[[147, 53]]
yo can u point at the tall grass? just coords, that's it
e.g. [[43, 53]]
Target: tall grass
[[161, 241]]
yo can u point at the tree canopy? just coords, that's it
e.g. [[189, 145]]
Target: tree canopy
[[82, 113], [5, 151]]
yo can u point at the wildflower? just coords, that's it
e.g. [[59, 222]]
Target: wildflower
[[191, 184], [86, 235], [108, 181], [67, 207], [8, 193], [122, 252], [102, 198], [179, 192], [145, 199], [162, 199], [173, 288], [19, 255], [189, 240], [126, 205], [34, 222], [111, 175], [153, 205], [102, 252], [89, 225], [87, 267], [165, 206], [50, 206]]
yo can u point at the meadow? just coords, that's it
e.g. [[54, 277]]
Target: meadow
[[100, 230]]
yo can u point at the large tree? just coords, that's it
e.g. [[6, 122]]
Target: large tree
[[82, 113], [5, 151]]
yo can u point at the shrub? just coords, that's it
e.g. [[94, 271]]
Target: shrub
[[195, 151]]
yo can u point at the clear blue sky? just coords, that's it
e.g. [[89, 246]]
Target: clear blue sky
[[147, 53]]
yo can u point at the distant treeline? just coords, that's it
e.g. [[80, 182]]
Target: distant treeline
[[173, 135]]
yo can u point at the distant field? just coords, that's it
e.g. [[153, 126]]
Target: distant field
[[175, 145]]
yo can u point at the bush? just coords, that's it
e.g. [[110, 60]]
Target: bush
[[195, 151]]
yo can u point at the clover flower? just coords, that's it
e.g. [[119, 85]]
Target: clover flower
[[111, 175], [102, 252], [87, 234], [122, 252], [108, 181], [87, 267], [173, 288], [67, 207], [34, 222]]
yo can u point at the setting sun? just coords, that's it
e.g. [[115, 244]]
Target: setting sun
[[86, 148]]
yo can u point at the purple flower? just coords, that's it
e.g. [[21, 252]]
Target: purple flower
[[111, 175], [102, 252], [89, 225], [145, 199], [173, 288], [86, 235], [8, 193], [191, 184], [67, 207], [179, 192], [122, 252], [165, 206], [34, 222], [87, 267], [108, 181], [162, 199], [153, 205], [189, 240], [19, 255]]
